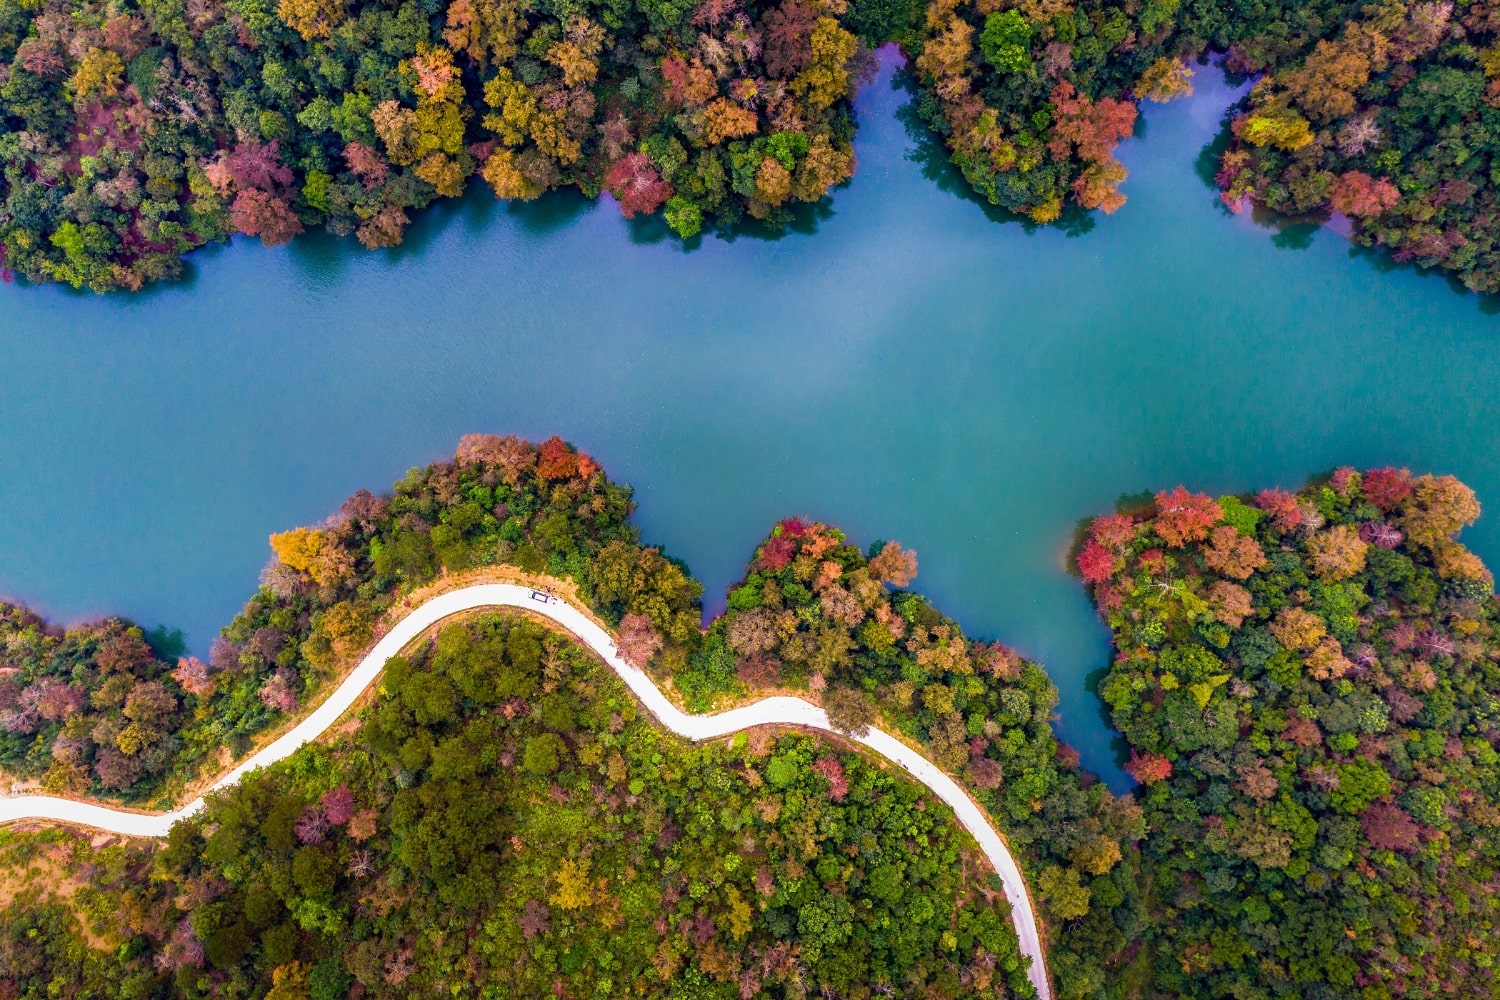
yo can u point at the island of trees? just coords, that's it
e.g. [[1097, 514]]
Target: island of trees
[[1307, 684], [131, 133]]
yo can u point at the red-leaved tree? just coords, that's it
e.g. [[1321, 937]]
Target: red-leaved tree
[[1183, 517], [639, 640], [636, 183], [556, 460], [894, 565], [1286, 516], [1148, 768], [1113, 530], [1357, 193], [260, 213], [1387, 487], [1388, 827], [1095, 562]]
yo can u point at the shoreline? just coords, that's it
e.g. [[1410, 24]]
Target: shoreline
[[776, 710]]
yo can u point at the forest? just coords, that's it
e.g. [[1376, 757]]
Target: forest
[[1308, 683], [502, 504], [632, 864], [132, 131], [1387, 112], [95, 710], [817, 616]]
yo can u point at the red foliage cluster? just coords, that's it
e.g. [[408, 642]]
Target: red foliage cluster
[[1379, 533], [1357, 193], [1093, 127], [985, 772], [777, 552], [894, 565], [312, 826], [366, 164], [636, 183], [255, 165], [788, 38], [1183, 517], [1148, 768], [338, 805], [278, 693], [515, 457], [1388, 827], [557, 460], [1387, 487], [193, 676], [687, 84], [1302, 731], [535, 919], [639, 640], [1108, 599], [1282, 506], [794, 527], [830, 768], [1113, 530], [260, 213]]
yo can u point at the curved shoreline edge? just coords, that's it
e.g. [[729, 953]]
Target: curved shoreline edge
[[786, 711]]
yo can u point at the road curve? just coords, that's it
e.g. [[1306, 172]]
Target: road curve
[[770, 711]]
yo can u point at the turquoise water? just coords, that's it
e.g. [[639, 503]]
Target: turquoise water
[[905, 365]]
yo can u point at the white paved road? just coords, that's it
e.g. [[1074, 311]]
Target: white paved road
[[770, 711]]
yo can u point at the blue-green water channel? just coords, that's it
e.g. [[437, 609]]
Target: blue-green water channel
[[906, 366]]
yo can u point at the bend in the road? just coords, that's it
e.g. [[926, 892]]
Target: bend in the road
[[784, 711]]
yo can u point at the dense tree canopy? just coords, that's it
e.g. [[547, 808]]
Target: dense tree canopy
[[816, 614], [506, 823], [132, 132], [1308, 684], [1386, 113], [94, 709], [1393, 121]]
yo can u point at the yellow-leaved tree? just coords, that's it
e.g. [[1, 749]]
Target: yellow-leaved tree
[[312, 18], [827, 79], [573, 888], [99, 72], [291, 981]]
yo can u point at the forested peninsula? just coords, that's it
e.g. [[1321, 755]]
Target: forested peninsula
[[131, 133], [1310, 685], [501, 754], [1307, 683]]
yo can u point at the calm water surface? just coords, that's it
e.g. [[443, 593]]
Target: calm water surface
[[906, 366]]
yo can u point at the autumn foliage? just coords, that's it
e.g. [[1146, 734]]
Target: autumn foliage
[[1095, 562], [1148, 768], [1351, 120], [1183, 517], [149, 141], [635, 182], [1276, 664]]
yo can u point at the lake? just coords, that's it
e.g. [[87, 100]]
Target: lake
[[905, 364]]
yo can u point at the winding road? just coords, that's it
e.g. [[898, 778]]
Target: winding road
[[770, 711]]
